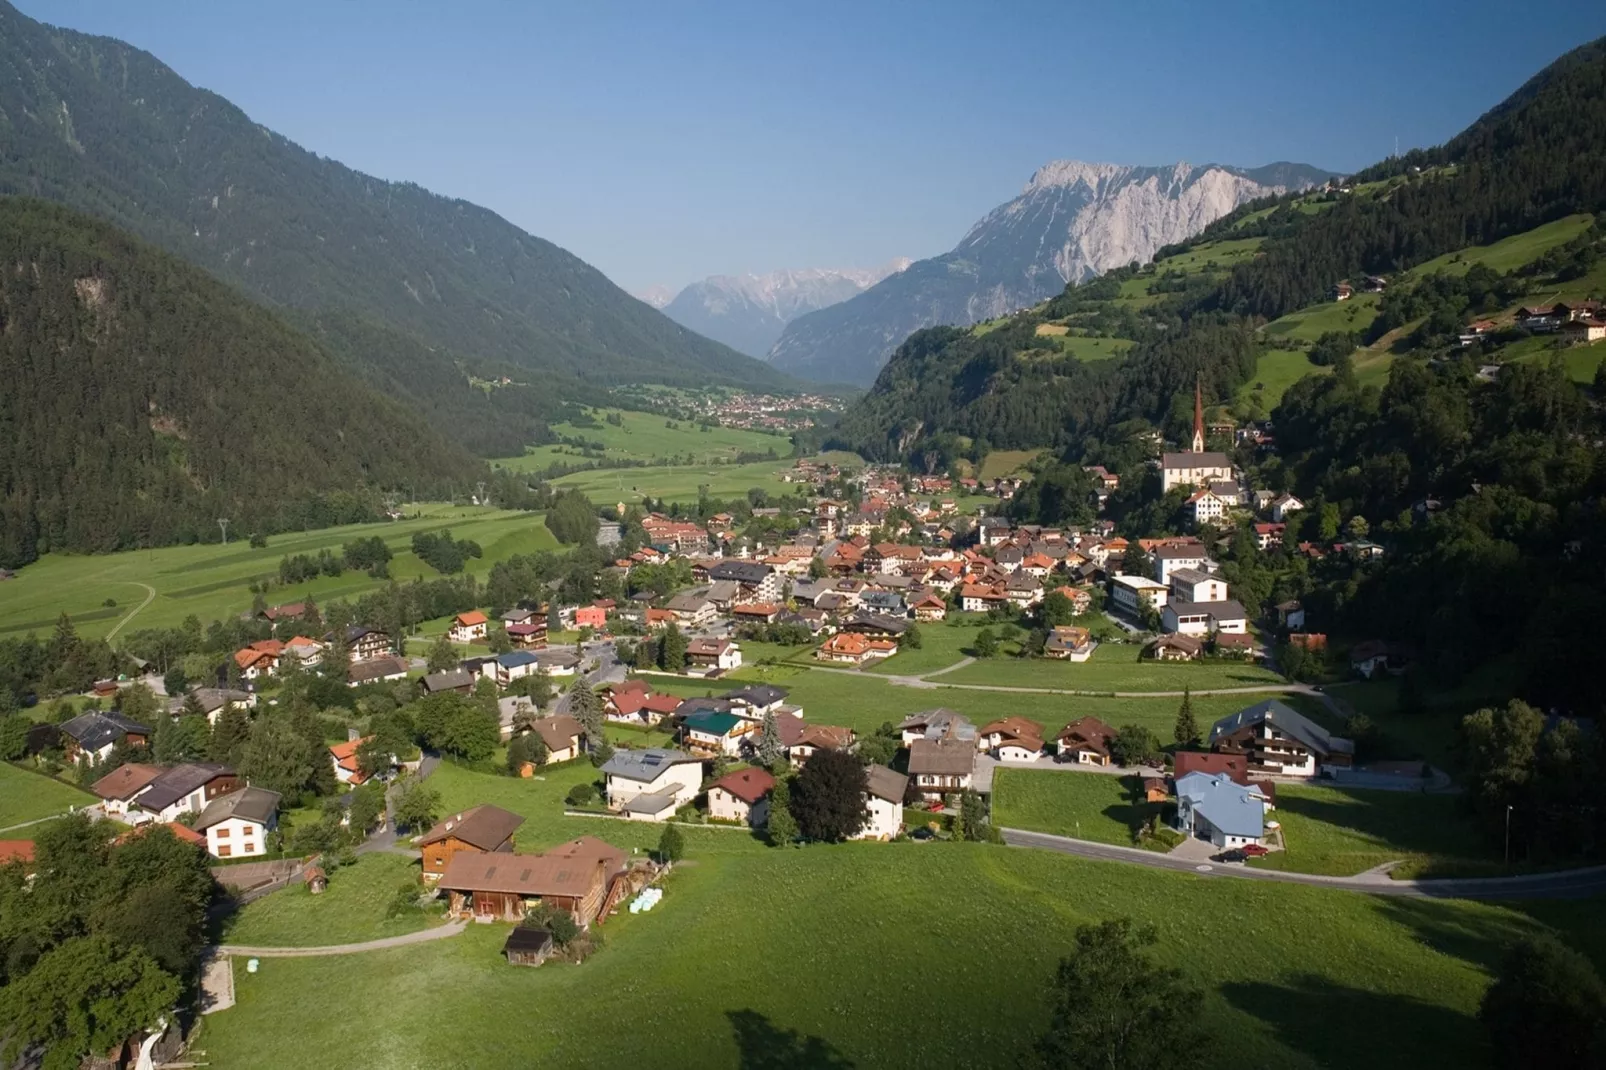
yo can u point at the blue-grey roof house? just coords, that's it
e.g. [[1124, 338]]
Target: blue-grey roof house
[[1213, 807]]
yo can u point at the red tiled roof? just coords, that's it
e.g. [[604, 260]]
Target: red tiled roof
[[471, 618], [16, 851], [748, 785]]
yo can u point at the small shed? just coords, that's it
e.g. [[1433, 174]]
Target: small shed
[[1154, 789], [317, 880], [527, 946]]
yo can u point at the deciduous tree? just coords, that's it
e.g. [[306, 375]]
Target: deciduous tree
[[827, 797]]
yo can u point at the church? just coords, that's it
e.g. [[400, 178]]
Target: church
[[1196, 468]]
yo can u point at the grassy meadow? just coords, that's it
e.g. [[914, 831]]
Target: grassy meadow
[[645, 436], [26, 796], [1113, 667], [678, 482], [1309, 324], [1086, 806], [210, 580], [352, 909]]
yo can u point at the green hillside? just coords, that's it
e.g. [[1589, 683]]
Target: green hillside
[[143, 400]]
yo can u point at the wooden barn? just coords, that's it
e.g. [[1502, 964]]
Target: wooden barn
[[527, 946], [584, 877]]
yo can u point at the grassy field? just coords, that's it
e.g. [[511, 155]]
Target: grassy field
[[1005, 462], [1209, 257], [862, 936], [28, 796], [678, 482], [1343, 831], [1309, 324], [1582, 362], [1278, 369], [1089, 349], [1112, 668], [210, 580], [644, 436], [1087, 806], [1509, 253], [350, 910]]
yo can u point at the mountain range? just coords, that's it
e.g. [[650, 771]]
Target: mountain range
[[748, 312], [413, 291], [1073, 220]]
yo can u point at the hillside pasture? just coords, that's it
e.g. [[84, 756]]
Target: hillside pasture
[[648, 437], [1508, 253], [1000, 463], [28, 796], [1310, 323], [677, 482]]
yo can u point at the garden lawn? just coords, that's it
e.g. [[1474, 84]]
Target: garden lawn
[[1113, 667], [845, 946], [941, 645], [1068, 802], [350, 911], [29, 796], [1341, 831], [211, 581]]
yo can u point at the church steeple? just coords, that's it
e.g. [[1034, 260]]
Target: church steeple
[[1198, 415]]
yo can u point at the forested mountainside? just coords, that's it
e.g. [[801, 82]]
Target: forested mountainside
[[1123, 346], [108, 129], [1073, 220], [143, 399]]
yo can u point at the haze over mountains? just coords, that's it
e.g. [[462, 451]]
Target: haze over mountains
[[1073, 220], [748, 312]]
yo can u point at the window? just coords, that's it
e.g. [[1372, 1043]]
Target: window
[[223, 832], [223, 850]]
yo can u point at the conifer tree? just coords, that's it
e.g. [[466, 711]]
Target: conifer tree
[[770, 748], [1186, 732]]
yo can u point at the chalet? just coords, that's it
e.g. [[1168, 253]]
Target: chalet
[[851, 648], [883, 803], [554, 661], [118, 788], [376, 670], [649, 785], [1069, 643], [458, 681], [1085, 741], [92, 735], [289, 611], [941, 767], [937, 724], [521, 615], [815, 737], [1279, 740], [348, 770], [1269, 535], [577, 877], [514, 665], [482, 828], [237, 825], [1341, 291], [561, 733], [1204, 618], [183, 789], [979, 598], [692, 610], [1137, 594], [1583, 331], [713, 655], [876, 625], [1012, 739], [1174, 647], [1205, 507], [743, 795], [659, 619], [755, 700], [710, 733], [929, 607], [259, 659], [1220, 810], [212, 701], [755, 582], [1234, 767], [527, 636], [1023, 589], [468, 627], [756, 613], [366, 644]]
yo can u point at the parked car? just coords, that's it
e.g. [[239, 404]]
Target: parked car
[[1234, 855], [1255, 850]]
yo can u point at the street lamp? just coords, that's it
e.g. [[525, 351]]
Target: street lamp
[[1508, 835]]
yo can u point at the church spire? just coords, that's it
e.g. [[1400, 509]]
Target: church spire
[[1198, 415]]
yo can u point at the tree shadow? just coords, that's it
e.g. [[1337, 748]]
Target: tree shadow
[[765, 1046], [1480, 938], [1332, 1024]]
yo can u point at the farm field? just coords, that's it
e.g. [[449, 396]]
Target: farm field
[[1113, 667], [839, 919], [27, 796], [1508, 253], [1309, 324], [1212, 256], [1582, 361], [1340, 831], [1005, 462], [1089, 349], [1087, 806], [677, 482], [352, 909], [210, 580], [645, 436]]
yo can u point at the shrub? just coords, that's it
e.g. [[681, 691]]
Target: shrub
[[581, 794]]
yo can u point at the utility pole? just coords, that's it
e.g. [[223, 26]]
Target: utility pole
[[224, 524], [479, 496], [1508, 836]]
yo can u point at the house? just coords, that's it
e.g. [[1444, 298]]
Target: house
[[1206, 507], [1067, 642], [756, 613], [1174, 647], [877, 625], [659, 619], [709, 733], [483, 828], [1216, 808], [938, 724], [561, 733], [376, 670], [1085, 741], [212, 700], [527, 635], [1341, 291], [259, 659], [366, 644], [593, 616], [1234, 767], [1269, 535], [348, 770], [755, 700], [929, 607], [1205, 618], [941, 767], [1279, 740], [118, 788], [1173, 558], [1376, 656], [184, 789], [1023, 589], [577, 877], [514, 665], [851, 648], [288, 611], [649, 785], [1137, 594], [883, 803], [743, 795], [815, 737], [308, 652], [557, 661], [713, 655], [459, 681], [527, 946], [1290, 615], [521, 615], [468, 627], [979, 597], [756, 582], [1196, 585], [237, 825], [1583, 331], [1284, 507], [1012, 739]]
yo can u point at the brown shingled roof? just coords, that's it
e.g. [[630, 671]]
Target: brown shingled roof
[[485, 826]]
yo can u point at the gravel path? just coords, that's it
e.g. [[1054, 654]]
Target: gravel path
[[439, 932]]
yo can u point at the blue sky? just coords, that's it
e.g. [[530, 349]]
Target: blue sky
[[665, 142]]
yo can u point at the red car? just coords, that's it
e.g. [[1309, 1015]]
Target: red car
[[1254, 850]]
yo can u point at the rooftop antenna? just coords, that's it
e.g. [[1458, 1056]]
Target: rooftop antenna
[[224, 524]]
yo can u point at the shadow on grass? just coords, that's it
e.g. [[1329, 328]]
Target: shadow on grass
[[1135, 809], [1407, 822], [762, 1045], [1332, 1024], [1481, 938]]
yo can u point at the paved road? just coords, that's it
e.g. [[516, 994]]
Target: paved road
[[609, 670], [150, 596], [439, 932], [1569, 884], [926, 681]]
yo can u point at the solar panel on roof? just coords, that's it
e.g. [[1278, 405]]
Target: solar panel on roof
[[490, 873], [525, 875]]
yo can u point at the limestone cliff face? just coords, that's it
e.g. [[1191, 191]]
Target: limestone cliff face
[[1073, 220]]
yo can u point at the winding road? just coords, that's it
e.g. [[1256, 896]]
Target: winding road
[[150, 596]]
